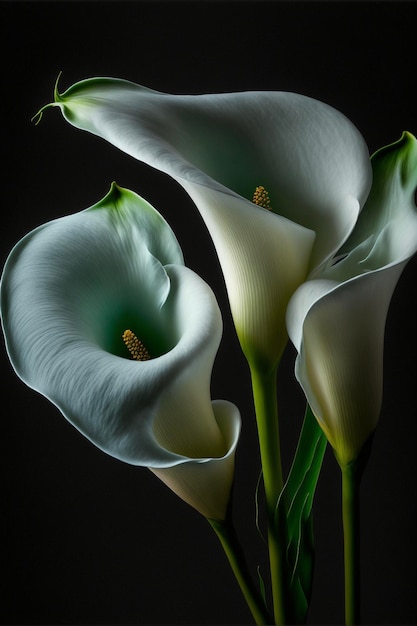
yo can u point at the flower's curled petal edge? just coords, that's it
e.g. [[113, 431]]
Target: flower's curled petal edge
[[206, 484], [340, 359]]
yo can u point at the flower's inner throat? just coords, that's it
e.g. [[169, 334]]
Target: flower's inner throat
[[136, 348], [261, 198]]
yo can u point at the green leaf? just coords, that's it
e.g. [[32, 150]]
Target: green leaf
[[296, 503]]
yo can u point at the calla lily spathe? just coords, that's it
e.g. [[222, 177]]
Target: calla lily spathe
[[69, 290], [310, 158], [337, 322]]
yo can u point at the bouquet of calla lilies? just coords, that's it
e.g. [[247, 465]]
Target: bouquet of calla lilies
[[102, 317]]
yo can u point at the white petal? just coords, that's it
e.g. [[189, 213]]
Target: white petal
[[337, 322], [206, 485], [311, 159], [340, 361], [68, 291], [264, 257], [220, 147]]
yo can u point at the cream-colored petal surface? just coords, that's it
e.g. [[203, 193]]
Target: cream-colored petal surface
[[206, 485], [337, 322]]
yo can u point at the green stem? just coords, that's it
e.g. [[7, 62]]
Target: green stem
[[350, 513], [264, 385], [227, 536]]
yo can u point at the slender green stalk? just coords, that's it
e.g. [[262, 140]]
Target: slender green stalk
[[264, 385], [233, 551], [350, 513]]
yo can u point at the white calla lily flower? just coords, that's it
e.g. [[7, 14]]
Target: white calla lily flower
[[311, 160], [337, 322], [69, 291]]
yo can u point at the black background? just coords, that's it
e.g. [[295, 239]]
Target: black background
[[87, 539]]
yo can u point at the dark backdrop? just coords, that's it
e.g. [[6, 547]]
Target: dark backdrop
[[87, 539]]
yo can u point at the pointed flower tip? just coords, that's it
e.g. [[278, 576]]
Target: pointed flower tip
[[57, 100], [112, 197], [408, 135], [115, 191], [409, 142], [400, 157], [38, 116], [407, 139], [57, 95]]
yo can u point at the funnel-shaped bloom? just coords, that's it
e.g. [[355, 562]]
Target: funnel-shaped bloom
[[220, 148], [337, 322], [69, 291]]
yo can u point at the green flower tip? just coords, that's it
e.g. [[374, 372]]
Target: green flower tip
[[115, 191], [114, 194], [400, 155], [57, 99], [406, 141], [113, 198], [409, 136]]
